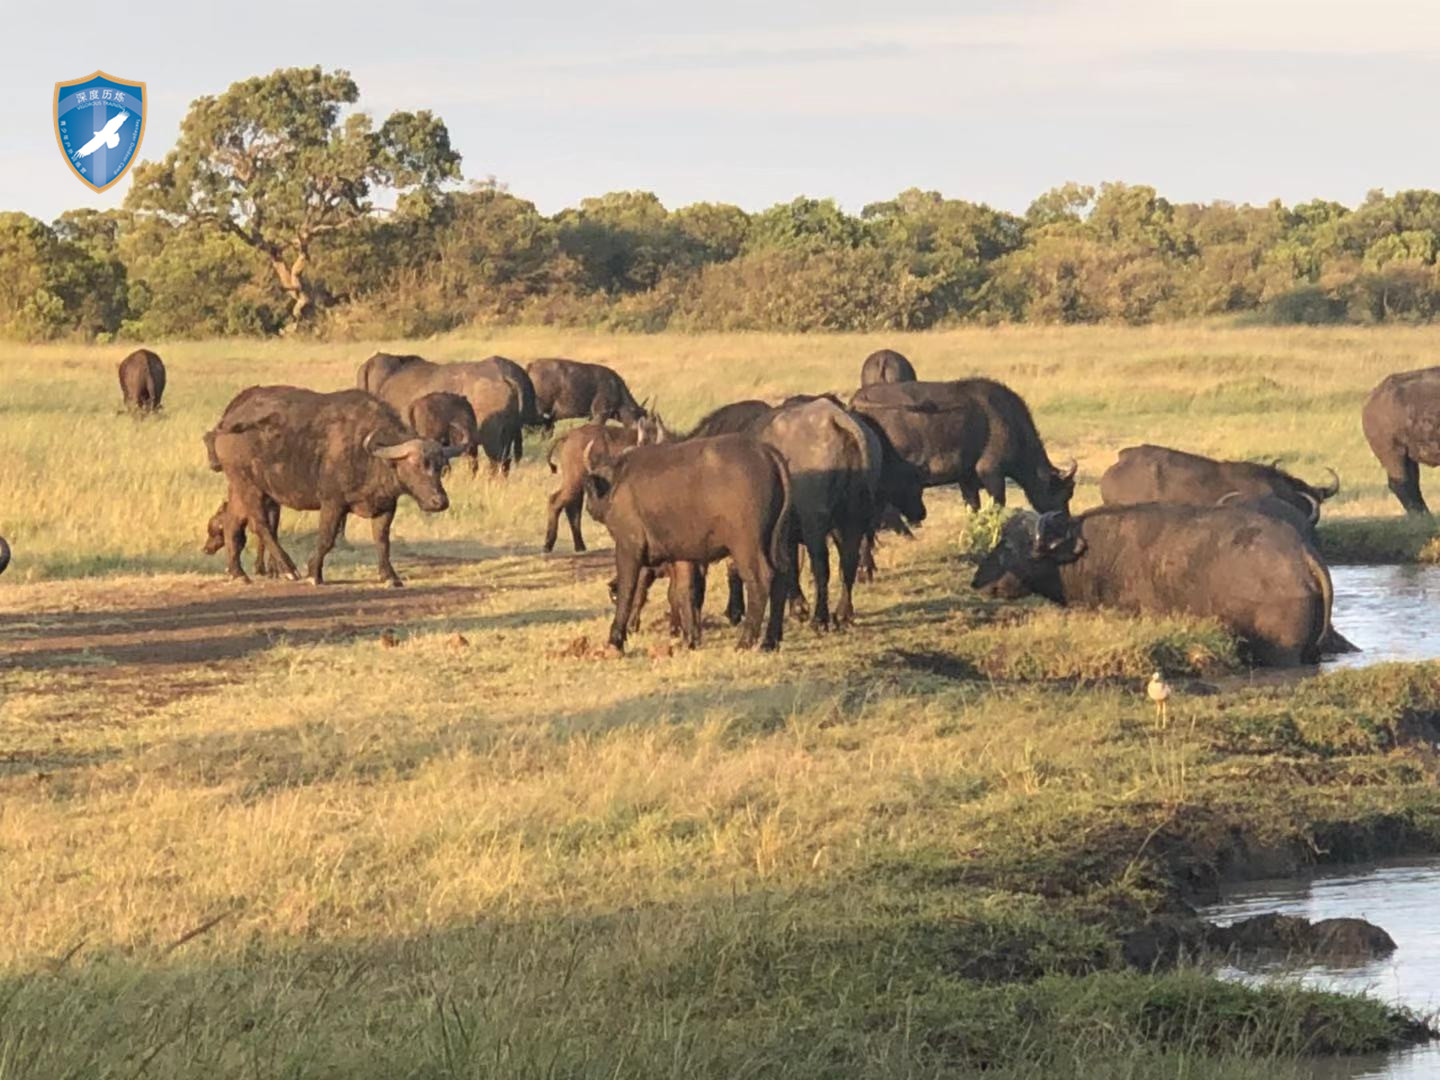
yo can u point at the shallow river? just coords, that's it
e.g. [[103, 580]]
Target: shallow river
[[1404, 898], [1391, 612]]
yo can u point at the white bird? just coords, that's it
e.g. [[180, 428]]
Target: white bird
[[109, 135], [1158, 691]]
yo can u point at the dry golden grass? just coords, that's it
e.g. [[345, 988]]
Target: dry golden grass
[[501, 858]]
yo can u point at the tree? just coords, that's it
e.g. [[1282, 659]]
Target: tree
[[272, 163], [50, 286]]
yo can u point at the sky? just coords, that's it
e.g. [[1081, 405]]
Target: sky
[[758, 102]]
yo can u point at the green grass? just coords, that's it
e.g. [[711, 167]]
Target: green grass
[[912, 849]]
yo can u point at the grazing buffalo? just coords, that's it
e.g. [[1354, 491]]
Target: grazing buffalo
[[339, 453], [449, 420], [1402, 425], [973, 432], [142, 381], [730, 419], [495, 401], [571, 390], [570, 450], [688, 504], [1253, 573], [886, 366], [835, 465], [1144, 474]]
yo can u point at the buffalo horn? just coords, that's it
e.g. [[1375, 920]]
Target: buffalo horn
[[389, 453], [1069, 473], [1334, 488]]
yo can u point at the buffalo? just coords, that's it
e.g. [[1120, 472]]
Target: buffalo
[[1401, 419], [730, 419], [572, 390], [570, 450], [1253, 573], [886, 366], [495, 401], [449, 420], [4, 554], [835, 465], [142, 381], [1144, 474], [689, 504], [374, 371], [338, 453], [976, 433]]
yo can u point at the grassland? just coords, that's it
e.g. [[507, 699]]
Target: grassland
[[280, 831]]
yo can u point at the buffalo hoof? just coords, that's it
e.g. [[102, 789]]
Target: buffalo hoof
[[241, 578], [820, 626], [613, 652], [315, 579], [580, 549], [393, 583], [293, 575]]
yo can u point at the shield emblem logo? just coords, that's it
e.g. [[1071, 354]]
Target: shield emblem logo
[[99, 123]]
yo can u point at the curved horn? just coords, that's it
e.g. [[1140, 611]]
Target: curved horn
[[1227, 498], [4, 554], [588, 457], [1069, 474], [389, 453], [450, 453], [1314, 514], [1334, 488]]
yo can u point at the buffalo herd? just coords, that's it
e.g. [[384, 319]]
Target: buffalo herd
[[754, 483]]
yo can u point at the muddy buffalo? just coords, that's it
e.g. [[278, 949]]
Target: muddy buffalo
[[339, 453], [689, 504], [572, 390], [1252, 573], [449, 420], [142, 381], [886, 366], [976, 433], [1401, 419], [1144, 474], [380, 367], [567, 458]]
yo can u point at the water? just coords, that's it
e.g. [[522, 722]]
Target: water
[[1390, 612], [1398, 896]]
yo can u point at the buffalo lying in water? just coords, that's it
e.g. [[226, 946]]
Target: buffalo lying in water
[[688, 504], [1401, 419], [1144, 474], [976, 433], [886, 366], [142, 381], [1253, 573], [340, 453]]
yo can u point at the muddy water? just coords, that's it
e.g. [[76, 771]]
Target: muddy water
[[1391, 612], [1399, 896]]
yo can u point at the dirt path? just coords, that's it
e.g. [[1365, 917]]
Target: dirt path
[[184, 624]]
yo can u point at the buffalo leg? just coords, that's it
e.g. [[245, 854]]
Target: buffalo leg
[[1407, 487], [627, 585], [969, 485], [848, 542], [332, 520], [474, 456], [380, 530], [735, 605], [764, 586], [775, 626], [571, 505], [259, 516], [235, 545], [818, 548], [867, 557], [643, 580], [265, 564], [572, 515], [685, 602], [995, 485]]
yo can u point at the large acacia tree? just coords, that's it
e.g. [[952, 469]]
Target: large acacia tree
[[272, 162]]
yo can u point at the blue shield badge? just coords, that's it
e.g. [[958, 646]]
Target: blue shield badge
[[99, 122]]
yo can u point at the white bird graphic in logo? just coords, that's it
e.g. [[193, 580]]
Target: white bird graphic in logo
[[109, 135]]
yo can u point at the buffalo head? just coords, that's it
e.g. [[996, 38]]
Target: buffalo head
[[902, 485], [215, 529], [1055, 489], [1029, 555], [599, 479], [418, 465]]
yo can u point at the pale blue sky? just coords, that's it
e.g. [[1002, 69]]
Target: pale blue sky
[[757, 102]]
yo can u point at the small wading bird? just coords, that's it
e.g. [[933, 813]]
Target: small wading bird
[[109, 135], [1158, 691]]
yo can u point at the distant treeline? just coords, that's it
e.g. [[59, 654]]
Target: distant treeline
[[446, 258]]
